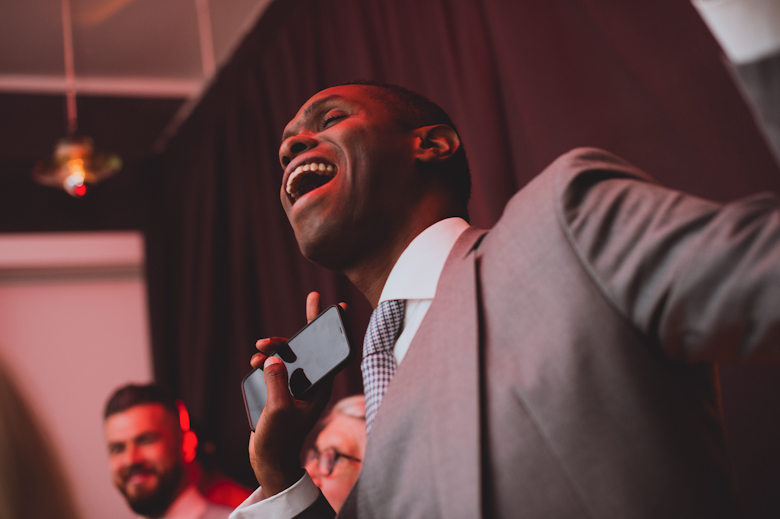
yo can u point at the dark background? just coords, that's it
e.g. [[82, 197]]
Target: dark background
[[524, 81]]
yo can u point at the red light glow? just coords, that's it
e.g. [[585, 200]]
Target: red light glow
[[184, 416]]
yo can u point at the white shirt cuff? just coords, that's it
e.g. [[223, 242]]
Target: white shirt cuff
[[283, 505]]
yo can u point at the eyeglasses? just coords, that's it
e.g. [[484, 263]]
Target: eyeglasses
[[326, 459]]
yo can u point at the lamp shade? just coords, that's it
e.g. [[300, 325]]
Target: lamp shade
[[75, 165]]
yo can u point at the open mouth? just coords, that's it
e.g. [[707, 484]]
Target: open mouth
[[309, 177]]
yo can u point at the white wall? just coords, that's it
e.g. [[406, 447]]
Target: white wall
[[74, 326]]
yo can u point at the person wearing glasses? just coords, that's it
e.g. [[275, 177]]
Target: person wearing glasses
[[334, 461]]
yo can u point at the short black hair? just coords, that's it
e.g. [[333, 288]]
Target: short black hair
[[132, 395], [412, 110]]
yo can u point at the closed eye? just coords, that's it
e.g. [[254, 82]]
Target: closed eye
[[328, 120]]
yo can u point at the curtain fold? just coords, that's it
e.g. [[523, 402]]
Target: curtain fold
[[524, 81]]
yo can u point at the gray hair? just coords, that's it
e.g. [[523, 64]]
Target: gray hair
[[353, 406]]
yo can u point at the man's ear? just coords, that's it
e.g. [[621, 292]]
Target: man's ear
[[189, 445], [435, 143]]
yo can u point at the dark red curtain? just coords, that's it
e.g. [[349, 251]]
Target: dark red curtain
[[524, 81]]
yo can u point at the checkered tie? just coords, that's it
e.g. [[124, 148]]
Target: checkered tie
[[378, 364]]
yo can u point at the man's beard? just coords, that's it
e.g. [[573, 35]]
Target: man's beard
[[157, 501]]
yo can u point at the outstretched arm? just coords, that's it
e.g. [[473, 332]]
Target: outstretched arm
[[701, 278]]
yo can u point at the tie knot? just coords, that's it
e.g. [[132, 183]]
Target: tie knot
[[384, 326]]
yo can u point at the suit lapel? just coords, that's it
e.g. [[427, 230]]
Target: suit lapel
[[448, 339], [436, 392]]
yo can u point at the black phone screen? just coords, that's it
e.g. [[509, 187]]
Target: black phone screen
[[320, 348]]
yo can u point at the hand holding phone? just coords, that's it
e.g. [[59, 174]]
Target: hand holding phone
[[275, 444], [320, 349]]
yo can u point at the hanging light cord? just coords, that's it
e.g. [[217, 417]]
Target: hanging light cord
[[208, 63], [70, 73]]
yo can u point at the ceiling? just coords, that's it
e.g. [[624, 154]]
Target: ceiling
[[121, 47], [140, 66]]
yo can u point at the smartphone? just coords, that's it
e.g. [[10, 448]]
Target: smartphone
[[321, 347]]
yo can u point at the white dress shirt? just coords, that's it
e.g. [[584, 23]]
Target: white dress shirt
[[416, 273], [191, 505], [414, 278], [747, 30]]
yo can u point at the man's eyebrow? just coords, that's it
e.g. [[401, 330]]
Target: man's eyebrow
[[311, 109]]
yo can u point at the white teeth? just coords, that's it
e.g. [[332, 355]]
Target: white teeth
[[295, 178]]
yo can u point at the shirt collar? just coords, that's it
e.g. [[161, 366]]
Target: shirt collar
[[416, 273]]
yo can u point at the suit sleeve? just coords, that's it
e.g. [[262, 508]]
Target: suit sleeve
[[700, 280]]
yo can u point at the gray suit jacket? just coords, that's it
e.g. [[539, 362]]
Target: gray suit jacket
[[563, 369]]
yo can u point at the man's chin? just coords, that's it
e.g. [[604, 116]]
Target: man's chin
[[150, 504], [150, 498]]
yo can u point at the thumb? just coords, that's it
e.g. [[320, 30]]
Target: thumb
[[275, 374]]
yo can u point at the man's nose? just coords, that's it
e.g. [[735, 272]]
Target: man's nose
[[294, 146], [133, 455]]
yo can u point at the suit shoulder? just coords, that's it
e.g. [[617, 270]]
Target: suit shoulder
[[589, 165], [586, 179], [571, 178]]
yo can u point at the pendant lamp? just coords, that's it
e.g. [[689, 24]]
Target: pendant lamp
[[75, 164]]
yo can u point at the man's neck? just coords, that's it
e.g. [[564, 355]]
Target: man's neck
[[370, 275]]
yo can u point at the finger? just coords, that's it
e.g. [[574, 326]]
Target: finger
[[257, 360], [269, 345], [312, 306], [251, 445], [343, 306], [275, 374]]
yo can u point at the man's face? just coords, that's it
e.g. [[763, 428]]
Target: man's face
[[346, 435], [364, 182], [145, 457]]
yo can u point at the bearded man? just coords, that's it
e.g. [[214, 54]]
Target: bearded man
[[148, 455]]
